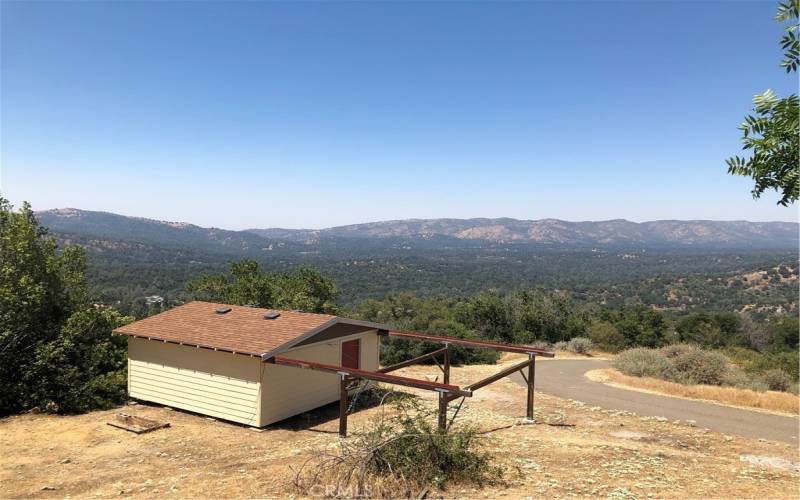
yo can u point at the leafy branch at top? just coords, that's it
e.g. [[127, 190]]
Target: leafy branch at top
[[771, 134]]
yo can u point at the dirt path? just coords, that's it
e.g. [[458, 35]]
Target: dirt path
[[565, 378]]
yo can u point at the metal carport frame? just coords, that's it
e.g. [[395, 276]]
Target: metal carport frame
[[447, 392]]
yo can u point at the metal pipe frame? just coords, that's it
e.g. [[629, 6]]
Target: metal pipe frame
[[503, 373], [483, 344], [370, 375], [447, 392], [413, 361]]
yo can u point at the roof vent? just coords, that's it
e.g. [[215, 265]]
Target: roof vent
[[272, 315], [223, 310]]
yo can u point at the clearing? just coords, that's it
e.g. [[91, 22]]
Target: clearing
[[598, 452]]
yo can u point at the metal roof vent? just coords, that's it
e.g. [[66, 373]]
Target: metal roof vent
[[272, 315], [223, 310]]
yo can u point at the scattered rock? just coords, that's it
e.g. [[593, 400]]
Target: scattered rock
[[49, 488], [777, 462], [629, 434], [64, 461]]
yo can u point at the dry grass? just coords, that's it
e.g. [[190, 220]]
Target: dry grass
[[770, 400]]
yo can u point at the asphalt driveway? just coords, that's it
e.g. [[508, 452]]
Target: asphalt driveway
[[565, 379]]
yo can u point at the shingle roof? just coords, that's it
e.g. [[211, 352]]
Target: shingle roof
[[242, 330]]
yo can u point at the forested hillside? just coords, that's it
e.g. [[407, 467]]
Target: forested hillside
[[130, 259]]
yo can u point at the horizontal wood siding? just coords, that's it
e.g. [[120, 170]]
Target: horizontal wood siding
[[217, 384]]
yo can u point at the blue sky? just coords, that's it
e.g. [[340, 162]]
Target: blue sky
[[310, 115]]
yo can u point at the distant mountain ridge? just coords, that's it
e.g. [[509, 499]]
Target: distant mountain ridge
[[617, 232], [554, 231]]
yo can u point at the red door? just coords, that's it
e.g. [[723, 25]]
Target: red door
[[351, 353]]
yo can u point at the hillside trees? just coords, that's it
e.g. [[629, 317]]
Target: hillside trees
[[771, 133], [56, 349], [246, 284]]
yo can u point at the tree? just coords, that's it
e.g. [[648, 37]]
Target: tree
[[246, 284], [56, 350], [771, 134]]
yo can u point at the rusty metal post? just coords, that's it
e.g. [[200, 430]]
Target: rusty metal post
[[442, 411], [447, 363], [343, 406], [531, 375]]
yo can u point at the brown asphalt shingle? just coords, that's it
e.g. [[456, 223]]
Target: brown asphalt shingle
[[243, 329]]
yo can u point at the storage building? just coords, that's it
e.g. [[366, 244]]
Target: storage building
[[208, 358]]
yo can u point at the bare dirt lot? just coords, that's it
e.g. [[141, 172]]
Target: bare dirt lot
[[599, 453]]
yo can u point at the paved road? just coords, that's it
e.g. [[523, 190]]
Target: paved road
[[564, 378]]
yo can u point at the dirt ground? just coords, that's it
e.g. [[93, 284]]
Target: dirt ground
[[587, 451]]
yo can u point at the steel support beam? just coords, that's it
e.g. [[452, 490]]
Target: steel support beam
[[443, 401], [497, 376], [530, 380], [448, 389], [484, 344], [412, 361], [343, 406], [446, 363]]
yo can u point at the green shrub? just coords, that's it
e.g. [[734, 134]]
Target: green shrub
[[580, 345], [673, 351], [755, 385], [759, 362], [698, 366], [560, 346], [643, 362], [606, 336], [735, 377], [83, 369], [542, 344], [777, 380]]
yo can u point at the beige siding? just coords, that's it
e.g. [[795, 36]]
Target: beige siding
[[235, 387], [218, 384], [369, 351], [288, 391]]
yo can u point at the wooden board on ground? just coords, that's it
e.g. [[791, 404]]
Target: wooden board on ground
[[139, 425]]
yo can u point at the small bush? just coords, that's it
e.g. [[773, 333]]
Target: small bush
[[399, 454], [735, 377], [777, 380], [643, 362], [756, 385], [542, 344], [580, 345], [697, 366], [560, 346], [413, 447], [673, 351]]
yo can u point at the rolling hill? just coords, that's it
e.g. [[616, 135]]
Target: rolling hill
[[550, 232]]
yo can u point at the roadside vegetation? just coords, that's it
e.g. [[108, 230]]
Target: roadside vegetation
[[688, 364], [783, 402]]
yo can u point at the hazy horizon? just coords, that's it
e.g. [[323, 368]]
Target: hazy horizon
[[412, 219]]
